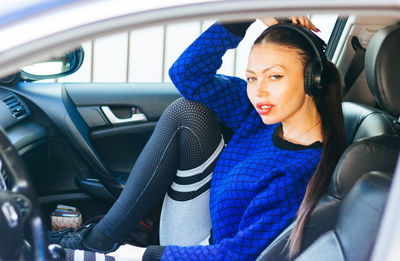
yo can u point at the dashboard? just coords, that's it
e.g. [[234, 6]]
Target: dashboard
[[25, 134]]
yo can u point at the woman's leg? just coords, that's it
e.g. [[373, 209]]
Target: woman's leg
[[185, 137]]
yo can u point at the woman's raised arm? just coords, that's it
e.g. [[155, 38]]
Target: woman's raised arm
[[195, 74]]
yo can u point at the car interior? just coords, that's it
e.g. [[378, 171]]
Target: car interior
[[79, 145]]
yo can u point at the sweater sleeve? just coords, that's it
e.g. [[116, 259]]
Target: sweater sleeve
[[194, 74], [268, 214]]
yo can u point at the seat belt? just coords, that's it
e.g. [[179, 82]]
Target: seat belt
[[356, 66]]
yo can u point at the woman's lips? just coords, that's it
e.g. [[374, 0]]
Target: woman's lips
[[263, 108]]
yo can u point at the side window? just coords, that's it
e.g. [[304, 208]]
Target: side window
[[145, 55]]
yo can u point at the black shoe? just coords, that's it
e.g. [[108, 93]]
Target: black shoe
[[69, 239], [75, 240]]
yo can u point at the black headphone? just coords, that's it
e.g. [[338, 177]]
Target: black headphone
[[315, 73]]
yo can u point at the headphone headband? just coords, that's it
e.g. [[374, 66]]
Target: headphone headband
[[316, 43]]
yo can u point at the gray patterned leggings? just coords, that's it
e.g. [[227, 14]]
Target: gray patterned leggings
[[186, 137]]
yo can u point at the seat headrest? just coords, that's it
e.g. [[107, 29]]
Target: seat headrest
[[382, 68], [379, 153]]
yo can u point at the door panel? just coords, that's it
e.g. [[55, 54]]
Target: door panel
[[150, 98], [119, 143], [120, 146]]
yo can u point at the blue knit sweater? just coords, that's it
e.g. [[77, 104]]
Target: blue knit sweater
[[259, 180]]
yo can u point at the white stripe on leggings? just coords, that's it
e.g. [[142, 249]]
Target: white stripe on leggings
[[191, 187], [100, 257], [197, 170], [202, 167], [79, 255]]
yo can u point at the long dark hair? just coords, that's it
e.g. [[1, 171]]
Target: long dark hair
[[329, 107]]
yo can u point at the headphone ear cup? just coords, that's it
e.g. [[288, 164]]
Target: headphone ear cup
[[312, 78]]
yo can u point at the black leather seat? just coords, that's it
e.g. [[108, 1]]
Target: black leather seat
[[360, 213], [370, 150], [377, 153], [362, 121]]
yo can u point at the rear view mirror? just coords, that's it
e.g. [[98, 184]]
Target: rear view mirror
[[55, 67]]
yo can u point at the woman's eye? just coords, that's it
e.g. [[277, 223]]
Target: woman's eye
[[251, 79], [275, 76]]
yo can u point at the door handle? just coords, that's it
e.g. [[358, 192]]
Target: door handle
[[136, 117]]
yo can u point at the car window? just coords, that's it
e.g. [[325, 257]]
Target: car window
[[144, 55]]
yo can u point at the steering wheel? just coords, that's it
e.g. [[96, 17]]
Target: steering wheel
[[19, 210]]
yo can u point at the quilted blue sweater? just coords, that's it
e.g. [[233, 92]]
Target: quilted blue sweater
[[259, 180]]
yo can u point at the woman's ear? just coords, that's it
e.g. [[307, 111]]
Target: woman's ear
[[310, 99]]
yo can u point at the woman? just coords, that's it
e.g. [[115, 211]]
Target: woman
[[285, 137]]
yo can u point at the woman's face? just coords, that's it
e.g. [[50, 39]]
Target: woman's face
[[275, 84]]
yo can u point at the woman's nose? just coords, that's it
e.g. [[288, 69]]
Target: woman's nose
[[261, 88]]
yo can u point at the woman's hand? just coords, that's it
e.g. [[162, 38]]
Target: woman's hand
[[128, 252], [301, 20], [269, 21]]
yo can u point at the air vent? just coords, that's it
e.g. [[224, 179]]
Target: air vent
[[16, 107]]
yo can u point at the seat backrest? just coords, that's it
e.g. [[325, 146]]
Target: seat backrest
[[369, 151], [362, 121], [371, 154], [354, 233], [378, 153]]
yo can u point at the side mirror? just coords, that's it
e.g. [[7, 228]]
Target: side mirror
[[55, 67]]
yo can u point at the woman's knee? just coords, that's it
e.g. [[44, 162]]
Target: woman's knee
[[188, 113], [196, 125]]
